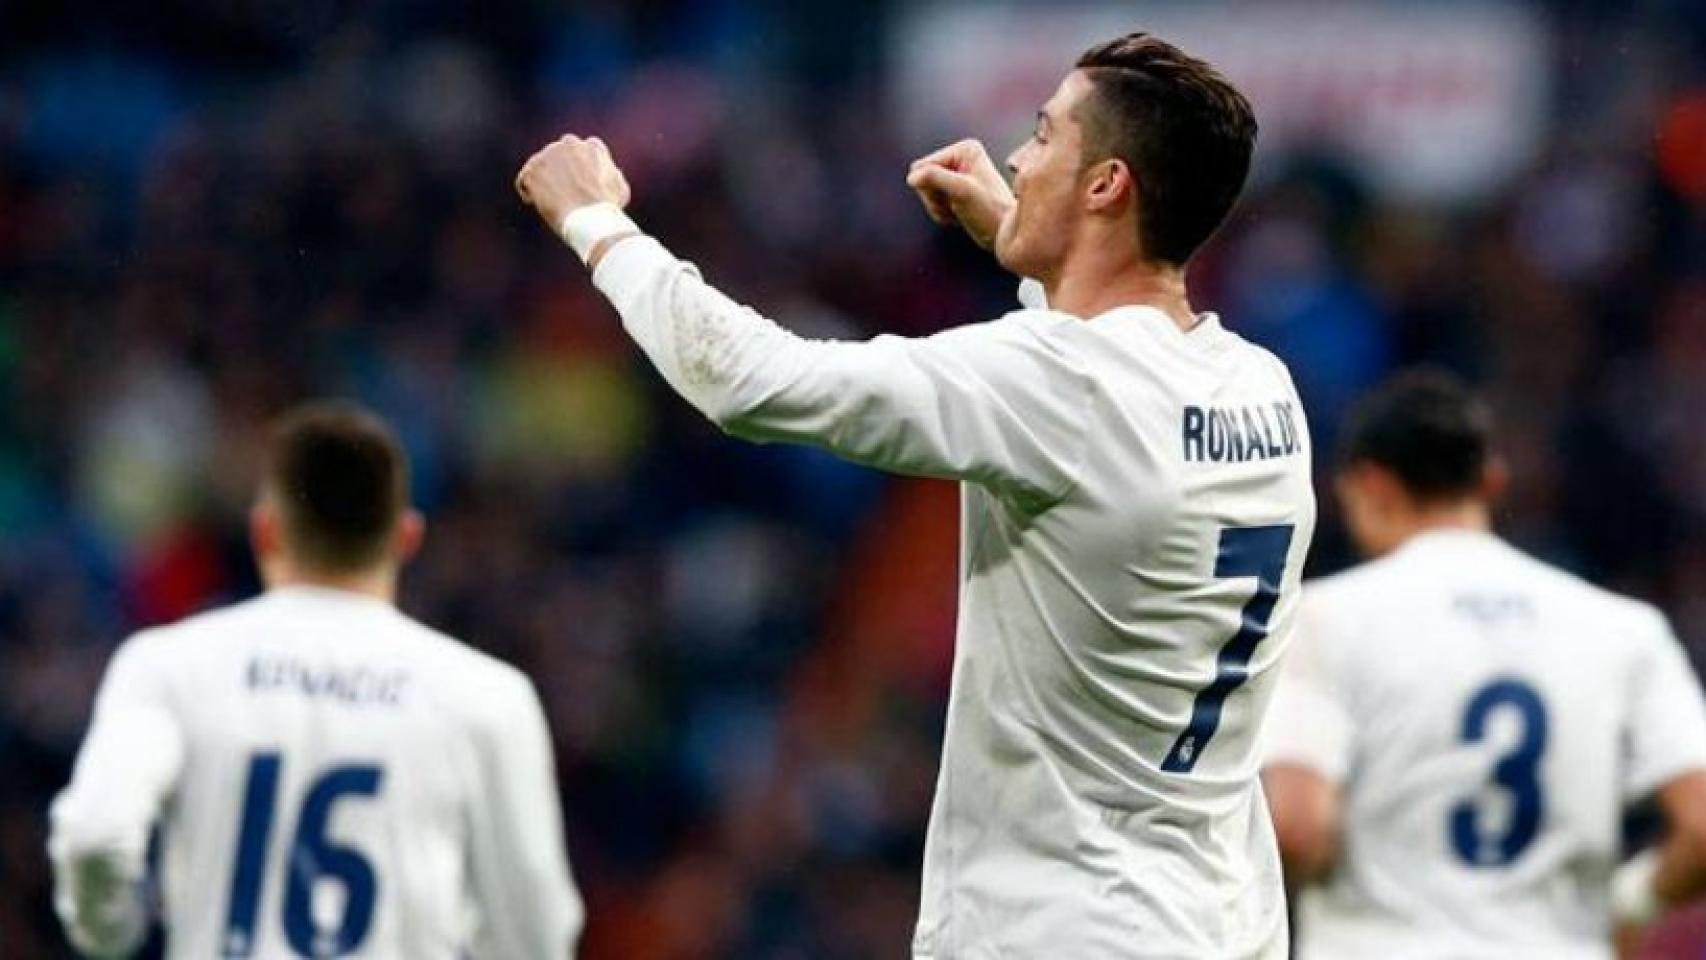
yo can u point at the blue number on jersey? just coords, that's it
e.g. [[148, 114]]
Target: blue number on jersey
[[311, 857], [1518, 772], [1258, 552]]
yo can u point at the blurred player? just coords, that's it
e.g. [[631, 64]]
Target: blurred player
[[1136, 505], [330, 778], [1460, 726]]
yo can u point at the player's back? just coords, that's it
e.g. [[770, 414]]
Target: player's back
[[1486, 703], [1098, 793], [335, 753]]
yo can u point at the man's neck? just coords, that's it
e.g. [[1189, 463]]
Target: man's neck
[[1470, 516], [1091, 284], [379, 585]]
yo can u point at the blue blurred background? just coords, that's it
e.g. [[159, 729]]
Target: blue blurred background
[[211, 210]]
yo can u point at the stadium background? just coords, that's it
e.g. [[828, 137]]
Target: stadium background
[[209, 211]]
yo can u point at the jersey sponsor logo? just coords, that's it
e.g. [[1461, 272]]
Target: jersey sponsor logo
[[359, 686], [1262, 431]]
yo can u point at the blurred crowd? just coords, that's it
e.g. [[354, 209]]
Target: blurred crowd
[[209, 212]]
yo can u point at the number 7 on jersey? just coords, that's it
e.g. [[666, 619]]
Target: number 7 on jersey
[[1258, 552]]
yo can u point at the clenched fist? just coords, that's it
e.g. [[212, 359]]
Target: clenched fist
[[960, 184], [569, 174]]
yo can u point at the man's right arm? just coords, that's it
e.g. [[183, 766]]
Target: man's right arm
[[1002, 404], [528, 905], [127, 767]]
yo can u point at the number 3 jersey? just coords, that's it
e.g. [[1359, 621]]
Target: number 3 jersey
[[329, 779], [1486, 718], [1136, 508]]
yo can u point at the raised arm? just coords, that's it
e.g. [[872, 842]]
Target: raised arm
[[100, 824], [959, 185], [998, 403]]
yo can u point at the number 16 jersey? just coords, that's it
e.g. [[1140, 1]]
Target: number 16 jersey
[[329, 778]]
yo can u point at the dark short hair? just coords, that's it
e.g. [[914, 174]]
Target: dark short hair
[[1184, 130], [1428, 429], [341, 483]]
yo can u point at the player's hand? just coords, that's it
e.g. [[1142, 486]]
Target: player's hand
[[569, 174], [961, 184]]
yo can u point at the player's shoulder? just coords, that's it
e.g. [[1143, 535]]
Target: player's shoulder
[[1232, 368], [1583, 601], [1256, 356], [1344, 594], [1032, 328], [457, 661], [1345, 605], [1024, 349], [1598, 608], [1379, 586], [1613, 625], [476, 685], [193, 637]]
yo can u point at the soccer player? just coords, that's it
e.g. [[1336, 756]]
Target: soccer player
[[1136, 506], [1459, 727], [329, 777]]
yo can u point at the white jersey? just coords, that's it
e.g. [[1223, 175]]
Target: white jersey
[[1486, 718], [1136, 508], [330, 779]]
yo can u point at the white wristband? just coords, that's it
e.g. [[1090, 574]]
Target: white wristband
[[583, 227], [1633, 900]]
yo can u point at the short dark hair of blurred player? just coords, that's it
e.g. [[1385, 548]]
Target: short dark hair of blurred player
[[1136, 501], [329, 777], [1460, 726], [1417, 454], [334, 503]]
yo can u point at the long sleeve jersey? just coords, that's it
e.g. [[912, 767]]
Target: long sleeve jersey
[[1136, 507], [328, 778]]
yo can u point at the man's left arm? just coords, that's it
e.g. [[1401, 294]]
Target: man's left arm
[[100, 824], [1665, 756], [1307, 744], [518, 868]]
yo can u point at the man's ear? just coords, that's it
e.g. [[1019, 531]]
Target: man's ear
[[266, 540], [409, 535], [1376, 489], [1495, 479], [1386, 492], [1110, 185], [266, 531]]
